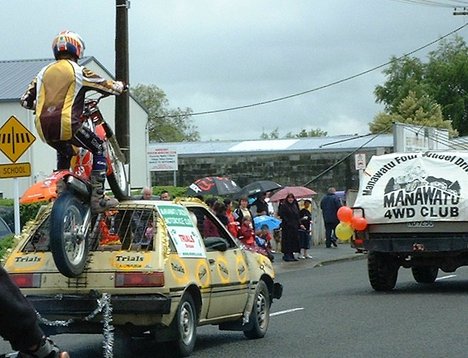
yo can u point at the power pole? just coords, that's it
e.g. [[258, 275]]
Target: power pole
[[122, 128]]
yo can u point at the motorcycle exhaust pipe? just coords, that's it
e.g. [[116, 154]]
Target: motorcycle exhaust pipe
[[79, 186]]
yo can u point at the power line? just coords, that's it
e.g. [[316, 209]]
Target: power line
[[261, 103], [347, 156], [434, 3]]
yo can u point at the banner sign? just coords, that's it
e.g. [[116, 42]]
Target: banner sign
[[182, 230], [162, 159], [412, 187]]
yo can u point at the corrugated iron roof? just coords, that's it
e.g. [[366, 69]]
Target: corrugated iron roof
[[317, 144], [16, 75]]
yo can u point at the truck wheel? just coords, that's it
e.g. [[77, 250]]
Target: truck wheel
[[425, 274], [382, 270]]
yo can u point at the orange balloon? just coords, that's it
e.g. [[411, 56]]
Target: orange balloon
[[359, 223], [345, 214]]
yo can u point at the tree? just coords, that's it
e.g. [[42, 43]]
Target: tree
[[447, 76], [444, 78], [311, 133], [302, 134], [274, 134], [403, 76], [165, 124], [416, 110]]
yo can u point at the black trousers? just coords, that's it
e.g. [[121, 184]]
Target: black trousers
[[330, 233], [18, 321], [85, 138]]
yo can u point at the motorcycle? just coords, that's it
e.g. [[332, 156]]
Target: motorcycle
[[71, 220]]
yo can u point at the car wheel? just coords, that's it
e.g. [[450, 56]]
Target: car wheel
[[425, 274], [185, 323], [260, 315], [382, 270]]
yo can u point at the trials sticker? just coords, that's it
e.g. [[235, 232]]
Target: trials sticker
[[125, 260]]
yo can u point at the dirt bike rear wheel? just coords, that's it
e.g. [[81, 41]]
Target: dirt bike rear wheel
[[118, 178], [69, 249]]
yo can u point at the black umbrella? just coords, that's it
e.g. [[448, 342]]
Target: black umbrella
[[213, 186], [260, 186]]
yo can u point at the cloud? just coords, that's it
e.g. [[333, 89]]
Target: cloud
[[213, 54]]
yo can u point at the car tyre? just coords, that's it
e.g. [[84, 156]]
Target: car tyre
[[382, 270], [425, 274], [185, 324], [260, 315]]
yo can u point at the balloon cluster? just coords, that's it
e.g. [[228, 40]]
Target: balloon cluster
[[348, 223]]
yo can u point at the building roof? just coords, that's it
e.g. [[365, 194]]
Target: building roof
[[16, 75], [275, 146]]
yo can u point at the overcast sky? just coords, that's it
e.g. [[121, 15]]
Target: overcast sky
[[216, 54]]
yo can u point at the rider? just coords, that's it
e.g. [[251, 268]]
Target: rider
[[18, 324], [57, 95]]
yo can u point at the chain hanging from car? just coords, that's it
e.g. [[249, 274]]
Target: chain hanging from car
[[104, 306]]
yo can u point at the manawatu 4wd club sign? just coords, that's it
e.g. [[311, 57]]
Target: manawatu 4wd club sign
[[410, 187]]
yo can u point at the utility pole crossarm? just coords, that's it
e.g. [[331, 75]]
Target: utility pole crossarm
[[463, 11]]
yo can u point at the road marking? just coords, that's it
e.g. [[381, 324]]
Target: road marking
[[445, 277], [286, 311]]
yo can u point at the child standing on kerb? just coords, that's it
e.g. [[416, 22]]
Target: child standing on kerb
[[304, 235]]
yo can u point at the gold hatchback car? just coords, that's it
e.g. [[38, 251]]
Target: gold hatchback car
[[151, 272]]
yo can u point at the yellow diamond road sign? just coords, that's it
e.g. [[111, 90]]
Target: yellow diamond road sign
[[15, 139]]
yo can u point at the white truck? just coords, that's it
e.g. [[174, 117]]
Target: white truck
[[416, 207]]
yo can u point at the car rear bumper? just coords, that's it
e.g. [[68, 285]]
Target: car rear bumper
[[82, 305]]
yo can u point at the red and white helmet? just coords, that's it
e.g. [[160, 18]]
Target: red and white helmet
[[68, 42]]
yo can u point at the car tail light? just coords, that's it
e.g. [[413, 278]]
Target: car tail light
[[27, 280], [139, 279]]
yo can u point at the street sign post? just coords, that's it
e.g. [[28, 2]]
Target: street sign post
[[15, 139]]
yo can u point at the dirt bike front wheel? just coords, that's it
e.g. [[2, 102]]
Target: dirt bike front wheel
[[117, 180], [68, 241]]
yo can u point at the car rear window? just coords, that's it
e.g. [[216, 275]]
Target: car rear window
[[123, 229]]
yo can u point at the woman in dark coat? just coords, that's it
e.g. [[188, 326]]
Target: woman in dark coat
[[290, 224]]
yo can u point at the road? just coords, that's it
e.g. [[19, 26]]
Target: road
[[331, 311]]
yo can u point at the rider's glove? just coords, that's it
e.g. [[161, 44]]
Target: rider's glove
[[119, 86]]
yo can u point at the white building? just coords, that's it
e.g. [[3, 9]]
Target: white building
[[14, 79]]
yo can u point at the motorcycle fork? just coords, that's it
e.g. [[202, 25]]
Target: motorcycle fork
[[84, 229]]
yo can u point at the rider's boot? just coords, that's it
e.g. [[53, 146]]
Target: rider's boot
[[47, 349], [100, 202]]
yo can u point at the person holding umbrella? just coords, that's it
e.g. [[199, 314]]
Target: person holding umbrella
[[290, 225], [260, 204]]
